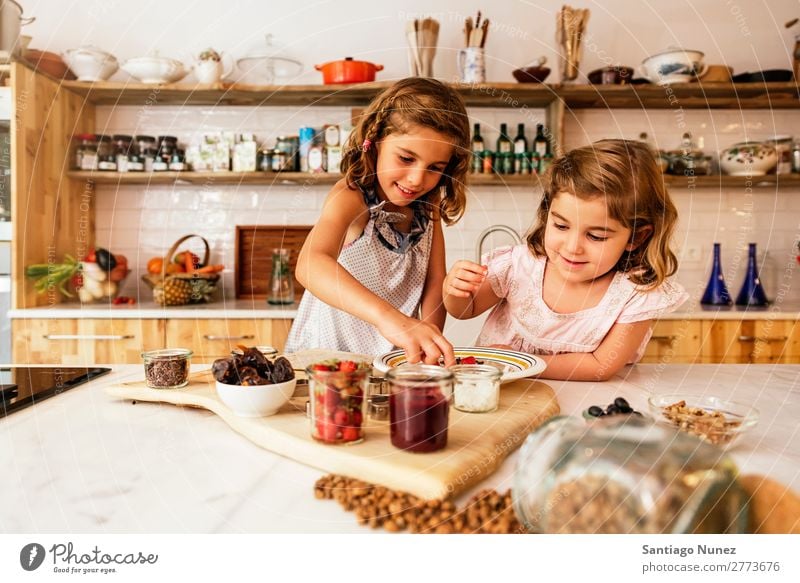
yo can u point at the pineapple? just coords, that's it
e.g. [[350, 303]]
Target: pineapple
[[173, 292], [202, 289]]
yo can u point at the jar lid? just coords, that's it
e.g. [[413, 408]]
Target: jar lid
[[122, 138], [103, 138], [167, 353], [86, 137], [144, 138], [172, 139], [418, 373]]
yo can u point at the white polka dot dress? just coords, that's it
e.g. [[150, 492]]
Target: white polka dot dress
[[391, 264]]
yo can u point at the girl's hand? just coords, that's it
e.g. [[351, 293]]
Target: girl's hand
[[464, 279], [421, 341]]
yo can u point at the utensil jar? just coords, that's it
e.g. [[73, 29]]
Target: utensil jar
[[472, 65]]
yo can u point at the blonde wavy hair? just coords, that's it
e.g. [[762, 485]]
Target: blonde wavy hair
[[626, 174], [409, 102]]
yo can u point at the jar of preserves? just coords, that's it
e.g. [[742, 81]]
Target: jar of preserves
[[86, 152], [177, 162], [264, 162], [166, 147], [280, 160], [290, 145], [337, 393], [106, 156], [419, 406], [122, 150], [624, 474]]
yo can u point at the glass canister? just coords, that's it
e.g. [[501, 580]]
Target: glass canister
[[86, 152], [337, 400], [167, 368], [476, 387], [625, 474], [419, 406], [281, 285]]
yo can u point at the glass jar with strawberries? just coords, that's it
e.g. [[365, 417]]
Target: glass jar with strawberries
[[337, 395]]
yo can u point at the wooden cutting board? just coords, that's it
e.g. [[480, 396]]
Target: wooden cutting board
[[476, 443]]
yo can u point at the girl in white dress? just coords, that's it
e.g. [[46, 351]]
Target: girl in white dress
[[584, 289], [374, 263]]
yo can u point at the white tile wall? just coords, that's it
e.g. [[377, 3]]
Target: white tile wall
[[142, 221]]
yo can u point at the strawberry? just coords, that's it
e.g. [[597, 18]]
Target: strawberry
[[357, 418], [329, 431], [331, 398], [347, 366], [320, 366], [341, 418], [469, 360], [350, 434], [91, 256]]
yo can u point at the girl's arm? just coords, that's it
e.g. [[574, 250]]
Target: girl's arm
[[466, 291], [319, 272], [431, 308], [616, 350]]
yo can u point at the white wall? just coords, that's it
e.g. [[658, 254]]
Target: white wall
[[745, 34]]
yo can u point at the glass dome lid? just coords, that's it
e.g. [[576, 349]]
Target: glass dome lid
[[267, 64]]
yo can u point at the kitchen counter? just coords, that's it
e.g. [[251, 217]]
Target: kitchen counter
[[85, 462], [244, 309]]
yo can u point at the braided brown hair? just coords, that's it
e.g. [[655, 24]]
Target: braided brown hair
[[626, 173], [414, 101]]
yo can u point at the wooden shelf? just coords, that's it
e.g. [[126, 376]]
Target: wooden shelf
[[300, 178], [682, 95]]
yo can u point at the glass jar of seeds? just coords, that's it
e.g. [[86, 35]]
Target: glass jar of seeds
[[167, 368]]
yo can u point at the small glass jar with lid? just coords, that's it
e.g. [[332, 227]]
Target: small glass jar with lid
[[177, 162], [264, 161], [476, 388], [167, 368], [419, 406], [86, 152], [122, 150], [166, 147], [106, 157], [624, 474]]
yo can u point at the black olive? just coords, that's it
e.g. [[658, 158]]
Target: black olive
[[611, 409], [625, 410], [621, 403], [595, 411], [105, 259]]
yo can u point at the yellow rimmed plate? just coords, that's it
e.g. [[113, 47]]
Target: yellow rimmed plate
[[514, 365]]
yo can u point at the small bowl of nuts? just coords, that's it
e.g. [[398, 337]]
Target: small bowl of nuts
[[712, 419]]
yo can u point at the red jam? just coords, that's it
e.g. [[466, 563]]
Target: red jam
[[419, 418]]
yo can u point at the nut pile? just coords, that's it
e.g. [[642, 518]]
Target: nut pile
[[712, 426], [167, 372], [488, 512]]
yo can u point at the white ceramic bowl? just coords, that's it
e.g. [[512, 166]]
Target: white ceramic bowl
[[748, 159], [673, 66], [258, 400], [90, 63], [155, 69]]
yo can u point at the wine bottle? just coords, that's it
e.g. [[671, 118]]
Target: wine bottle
[[503, 143], [520, 142], [540, 144], [477, 140]]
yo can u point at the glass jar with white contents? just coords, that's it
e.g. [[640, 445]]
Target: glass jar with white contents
[[476, 388]]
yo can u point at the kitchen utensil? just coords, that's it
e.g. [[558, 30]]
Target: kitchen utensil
[[430, 36], [570, 29], [155, 69], [472, 65], [90, 63], [617, 75], [414, 63], [255, 400], [11, 20], [703, 420], [674, 65], [348, 71], [624, 475], [748, 159], [514, 365], [49, 63], [524, 405]]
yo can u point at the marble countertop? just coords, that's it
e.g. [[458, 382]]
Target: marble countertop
[[245, 309], [84, 462]]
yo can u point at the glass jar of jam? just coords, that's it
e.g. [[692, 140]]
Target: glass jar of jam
[[623, 474], [419, 406], [337, 391], [86, 152], [122, 150]]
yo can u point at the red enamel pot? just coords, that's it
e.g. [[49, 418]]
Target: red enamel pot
[[348, 71]]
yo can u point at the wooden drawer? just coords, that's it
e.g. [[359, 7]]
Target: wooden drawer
[[212, 339], [674, 341], [751, 341], [84, 342]]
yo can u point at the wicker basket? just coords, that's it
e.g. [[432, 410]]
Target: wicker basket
[[193, 288]]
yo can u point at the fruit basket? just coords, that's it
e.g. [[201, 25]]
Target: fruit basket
[[194, 284]]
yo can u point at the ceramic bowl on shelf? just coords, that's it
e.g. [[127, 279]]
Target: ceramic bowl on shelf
[[256, 400], [674, 66], [90, 63], [713, 419], [748, 159], [155, 69], [617, 75], [531, 74], [49, 63]]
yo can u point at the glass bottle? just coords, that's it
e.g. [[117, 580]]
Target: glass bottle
[[503, 143], [281, 286], [623, 474], [540, 144], [520, 142], [477, 140], [716, 293], [752, 292]]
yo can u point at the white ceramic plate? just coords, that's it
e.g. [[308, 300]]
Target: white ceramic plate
[[514, 365]]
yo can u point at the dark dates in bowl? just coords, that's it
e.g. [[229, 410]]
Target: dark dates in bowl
[[252, 385]]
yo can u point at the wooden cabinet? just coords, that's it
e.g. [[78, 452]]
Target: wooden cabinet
[[83, 341], [212, 339], [674, 341], [751, 341]]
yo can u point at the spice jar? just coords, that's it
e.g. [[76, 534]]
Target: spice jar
[[281, 285], [337, 396], [280, 160], [264, 162], [106, 159], [122, 148], [166, 147], [86, 152], [476, 387], [167, 368], [177, 160], [419, 406], [624, 474]]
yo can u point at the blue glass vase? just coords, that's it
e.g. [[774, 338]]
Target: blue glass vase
[[752, 292], [716, 293]]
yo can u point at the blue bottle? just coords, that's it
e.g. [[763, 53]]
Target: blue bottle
[[752, 292], [716, 293]]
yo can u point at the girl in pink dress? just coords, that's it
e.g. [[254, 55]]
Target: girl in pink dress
[[374, 263], [584, 289]]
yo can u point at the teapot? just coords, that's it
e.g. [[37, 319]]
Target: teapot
[[211, 67]]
